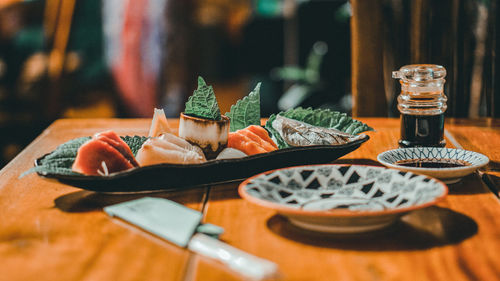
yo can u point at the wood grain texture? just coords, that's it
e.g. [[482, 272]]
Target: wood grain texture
[[457, 240], [51, 231], [367, 73]]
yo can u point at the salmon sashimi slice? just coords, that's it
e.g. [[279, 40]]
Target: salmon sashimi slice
[[262, 133], [244, 143], [254, 137], [251, 140]]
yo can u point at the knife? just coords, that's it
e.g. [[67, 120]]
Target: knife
[[181, 226]]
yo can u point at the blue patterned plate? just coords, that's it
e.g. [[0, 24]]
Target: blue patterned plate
[[447, 164], [342, 198]]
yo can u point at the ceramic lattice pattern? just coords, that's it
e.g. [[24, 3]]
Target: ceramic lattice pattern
[[433, 154], [327, 187]]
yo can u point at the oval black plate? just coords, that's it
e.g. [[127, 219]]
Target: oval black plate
[[178, 176]]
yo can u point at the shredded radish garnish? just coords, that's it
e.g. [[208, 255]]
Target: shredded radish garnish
[[104, 168]]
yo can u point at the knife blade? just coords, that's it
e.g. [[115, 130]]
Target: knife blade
[[181, 226]]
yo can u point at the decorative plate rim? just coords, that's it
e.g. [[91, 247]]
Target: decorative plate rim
[[335, 213], [485, 160]]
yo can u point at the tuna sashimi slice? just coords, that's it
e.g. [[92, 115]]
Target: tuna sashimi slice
[[92, 154], [114, 140]]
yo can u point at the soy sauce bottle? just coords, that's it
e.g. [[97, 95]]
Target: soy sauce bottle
[[422, 104]]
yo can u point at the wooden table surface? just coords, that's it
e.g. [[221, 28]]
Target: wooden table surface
[[52, 231]]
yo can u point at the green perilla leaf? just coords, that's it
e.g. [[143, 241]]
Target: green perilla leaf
[[203, 103], [246, 111]]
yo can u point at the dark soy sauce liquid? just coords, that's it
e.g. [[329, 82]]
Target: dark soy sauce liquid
[[422, 130], [423, 163]]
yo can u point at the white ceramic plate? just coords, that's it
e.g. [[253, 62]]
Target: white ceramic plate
[[342, 198], [471, 160]]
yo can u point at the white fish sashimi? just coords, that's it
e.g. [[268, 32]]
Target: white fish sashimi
[[152, 155], [160, 150], [181, 143], [164, 144]]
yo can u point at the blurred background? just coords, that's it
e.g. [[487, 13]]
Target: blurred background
[[122, 58]]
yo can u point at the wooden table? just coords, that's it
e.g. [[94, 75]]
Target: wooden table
[[51, 231]]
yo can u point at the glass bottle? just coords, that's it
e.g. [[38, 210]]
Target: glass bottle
[[422, 104]]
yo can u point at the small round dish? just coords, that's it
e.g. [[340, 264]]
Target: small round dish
[[342, 198], [440, 161]]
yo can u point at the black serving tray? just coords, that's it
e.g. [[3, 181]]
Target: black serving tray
[[179, 176]]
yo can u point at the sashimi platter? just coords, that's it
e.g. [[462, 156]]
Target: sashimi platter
[[206, 148]]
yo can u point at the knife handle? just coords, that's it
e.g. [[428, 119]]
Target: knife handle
[[244, 263], [490, 183]]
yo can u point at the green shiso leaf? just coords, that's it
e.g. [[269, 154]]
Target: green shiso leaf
[[318, 117], [67, 149], [134, 142], [274, 134], [246, 111], [60, 161], [203, 103]]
